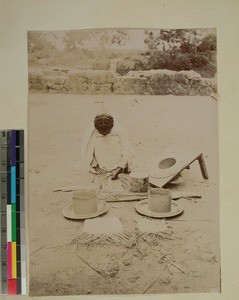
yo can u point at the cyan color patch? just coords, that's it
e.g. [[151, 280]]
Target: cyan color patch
[[13, 184]]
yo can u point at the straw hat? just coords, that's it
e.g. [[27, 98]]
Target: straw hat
[[167, 165], [142, 208], [85, 205], [159, 204]]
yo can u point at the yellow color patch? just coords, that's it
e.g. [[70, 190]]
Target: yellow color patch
[[14, 260]]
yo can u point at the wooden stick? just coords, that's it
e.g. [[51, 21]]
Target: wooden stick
[[155, 280], [104, 109], [37, 250], [88, 264], [168, 261], [203, 167], [58, 248]]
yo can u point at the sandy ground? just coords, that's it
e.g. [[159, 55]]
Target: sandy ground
[[188, 263]]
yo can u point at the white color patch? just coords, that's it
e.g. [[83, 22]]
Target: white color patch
[[9, 223]]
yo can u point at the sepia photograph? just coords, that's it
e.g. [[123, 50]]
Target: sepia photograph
[[123, 162]]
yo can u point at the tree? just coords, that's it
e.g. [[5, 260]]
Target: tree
[[38, 45], [182, 49], [209, 43], [153, 40], [185, 40], [119, 37], [75, 39]]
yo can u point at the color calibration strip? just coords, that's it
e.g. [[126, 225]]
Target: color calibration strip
[[13, 243]]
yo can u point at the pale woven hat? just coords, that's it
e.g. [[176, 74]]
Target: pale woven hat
[[159, 204], [167, 165], [143, 209], [85, 205]]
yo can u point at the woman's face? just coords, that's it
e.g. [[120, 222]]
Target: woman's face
[[104, 131]]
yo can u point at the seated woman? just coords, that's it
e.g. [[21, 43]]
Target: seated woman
[[106, 147]]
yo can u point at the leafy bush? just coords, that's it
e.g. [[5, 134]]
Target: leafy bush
[[187, 47], [124, 66], [132, 63], [159, 59], [181, 62], [209, 43], [204, 63], [199, 60]]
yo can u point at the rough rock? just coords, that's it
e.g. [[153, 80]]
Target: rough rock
[[103, 82], [132, 85]]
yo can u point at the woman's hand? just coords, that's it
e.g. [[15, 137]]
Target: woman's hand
[[116, 172], [99, 170]]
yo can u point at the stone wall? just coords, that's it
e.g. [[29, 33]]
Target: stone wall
[[100, 82]]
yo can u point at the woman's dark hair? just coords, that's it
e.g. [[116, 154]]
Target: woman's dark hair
[[104, 122]]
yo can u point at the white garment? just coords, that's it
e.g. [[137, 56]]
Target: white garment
[[110, 151]]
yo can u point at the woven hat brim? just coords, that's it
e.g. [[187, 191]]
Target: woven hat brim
[[142, 208], [102, 208], [157, 172]]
